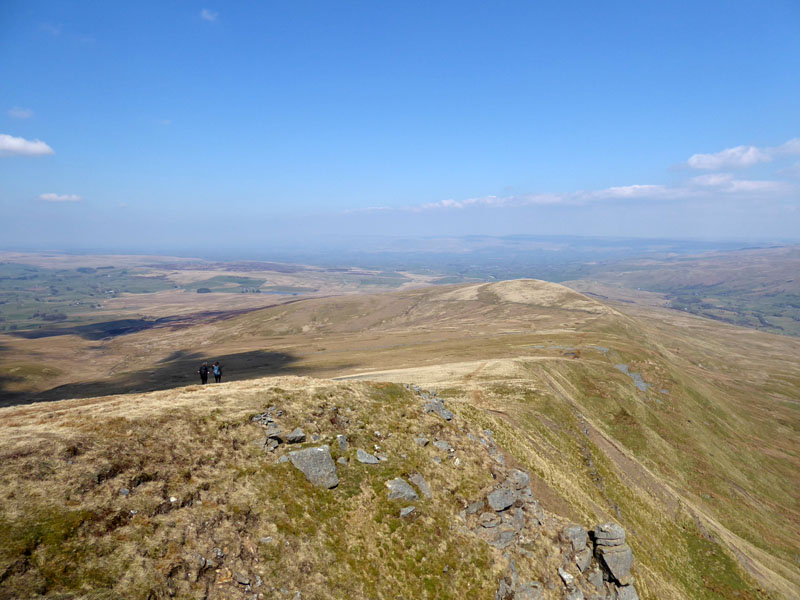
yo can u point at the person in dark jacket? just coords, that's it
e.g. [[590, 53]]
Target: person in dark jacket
[[203, 373], [217, 370]]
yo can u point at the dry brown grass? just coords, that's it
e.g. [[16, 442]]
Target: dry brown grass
[[704, 478]]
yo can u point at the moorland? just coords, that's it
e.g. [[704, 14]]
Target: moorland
[[680, 428]]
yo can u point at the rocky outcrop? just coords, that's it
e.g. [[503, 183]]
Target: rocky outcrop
[[613, 553], [593, 565]]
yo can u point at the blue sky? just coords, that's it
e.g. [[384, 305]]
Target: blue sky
[[153, 124]]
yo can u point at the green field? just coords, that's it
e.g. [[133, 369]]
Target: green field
[[32, 296]]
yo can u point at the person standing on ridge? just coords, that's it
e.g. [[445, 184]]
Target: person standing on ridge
[[203, 373], [217, 369]]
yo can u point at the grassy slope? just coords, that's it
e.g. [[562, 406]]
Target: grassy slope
[[704, 478]]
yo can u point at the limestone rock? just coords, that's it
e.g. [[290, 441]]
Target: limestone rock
[[341, 441], [296, 436], [568, 579], [422, 485], [595, 577], [500, 499], [421, 440], [443, 446], [317, 465], [617, 560], [366, 457], [274, 433], [576, 536], [436, 406], [488, 520], [518, 479], [514, 518], [627, 592], [609, 534], [399, 489], [404, 512], [475, 507], [583, 559]]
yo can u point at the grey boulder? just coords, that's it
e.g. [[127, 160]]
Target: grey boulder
[[576, 536], [317, 465], [366, 457], [500, 499], [296, 436], [399, 489], [617, 560]]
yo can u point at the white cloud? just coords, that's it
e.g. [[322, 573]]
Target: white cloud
[[631, 191], [712, 179], [725, 182], [790, 148], [20, 113], [745, 186], [17, 146], [740, 156], [208, 15], [743, 156], [60, 197]]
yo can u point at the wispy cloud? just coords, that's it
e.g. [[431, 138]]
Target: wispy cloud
[[60, 197], [17, 112], [730, 158], [701, 188], [17, 146], [208, 15], [742, 156]]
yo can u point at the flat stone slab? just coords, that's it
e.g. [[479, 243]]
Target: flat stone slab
[[404, 512], [609, 534], [399, 489], [501, 499], [366, 457], [317, 465], [296, 436]]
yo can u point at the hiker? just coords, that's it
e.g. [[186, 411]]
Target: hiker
[[217, 372], [203, 373]]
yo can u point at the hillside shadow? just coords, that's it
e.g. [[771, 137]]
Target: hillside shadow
[[178, 369]]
